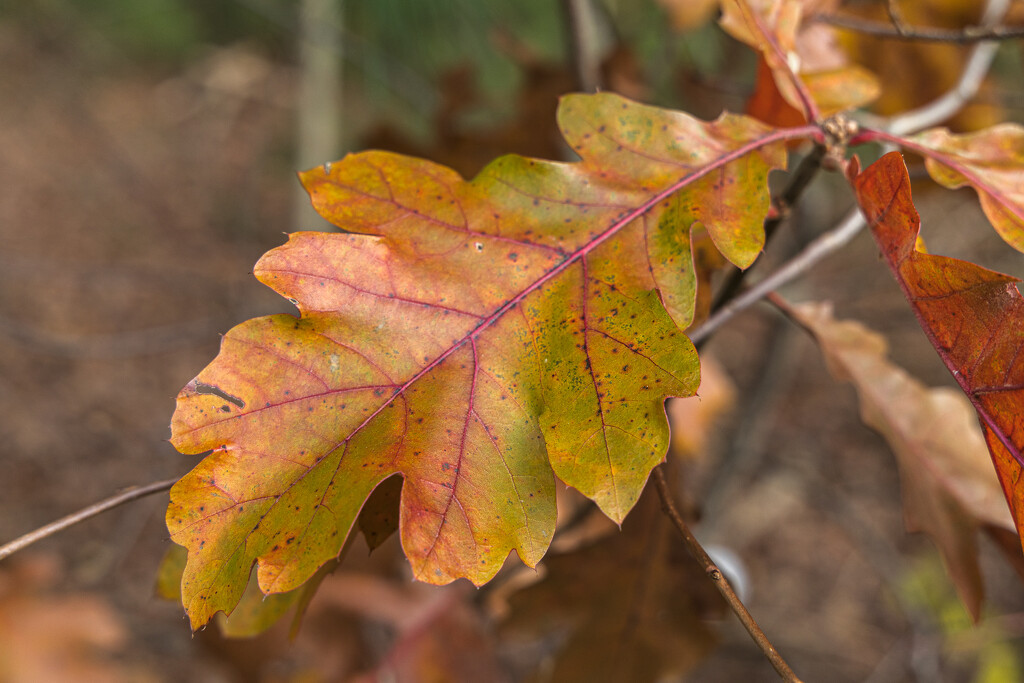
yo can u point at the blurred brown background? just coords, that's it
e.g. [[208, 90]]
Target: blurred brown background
[[147, 158]]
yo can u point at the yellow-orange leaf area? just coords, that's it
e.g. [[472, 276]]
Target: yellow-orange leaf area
[[477, 338], [991, 161]]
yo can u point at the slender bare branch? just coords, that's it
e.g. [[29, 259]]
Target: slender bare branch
[[85, 513], [585, 44], [900, 31], [896, 16], [721, 583], [825, 244], [938, 110]]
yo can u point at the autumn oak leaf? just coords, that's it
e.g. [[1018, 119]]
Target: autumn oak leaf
[[478, 338], [974, 318], [991, 161]]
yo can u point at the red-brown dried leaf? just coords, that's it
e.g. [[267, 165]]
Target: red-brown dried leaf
[[974, 318]]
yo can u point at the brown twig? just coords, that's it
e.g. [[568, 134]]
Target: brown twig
[[718, 578], [85, 513], [896, 16], [825, 244], [581, 23], [900, 31]]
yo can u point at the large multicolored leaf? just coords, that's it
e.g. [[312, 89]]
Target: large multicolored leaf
[[991, 161], [949, 487], [973, 317], [478, 338]]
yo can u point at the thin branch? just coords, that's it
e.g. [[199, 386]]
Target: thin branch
[[125, 496], [825, 244], [318, 130], [721, 583], [896, 16], [900, 31], [966, 87], [584, 43]]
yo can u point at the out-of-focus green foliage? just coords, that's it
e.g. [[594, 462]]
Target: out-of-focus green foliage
[[986, 647]]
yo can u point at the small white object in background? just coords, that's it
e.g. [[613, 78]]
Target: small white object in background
[[732, 566]]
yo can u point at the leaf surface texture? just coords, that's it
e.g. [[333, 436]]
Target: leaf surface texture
[[479, 338]]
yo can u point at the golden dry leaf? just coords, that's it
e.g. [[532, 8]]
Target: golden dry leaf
[[949, 486]]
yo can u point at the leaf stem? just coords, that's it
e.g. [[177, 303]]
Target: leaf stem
[[85, 513], [721, 583]]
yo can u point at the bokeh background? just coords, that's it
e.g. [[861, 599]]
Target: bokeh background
[[148, 151]]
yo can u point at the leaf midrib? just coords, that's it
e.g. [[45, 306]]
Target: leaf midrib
[[397, 390], [622, 221]]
